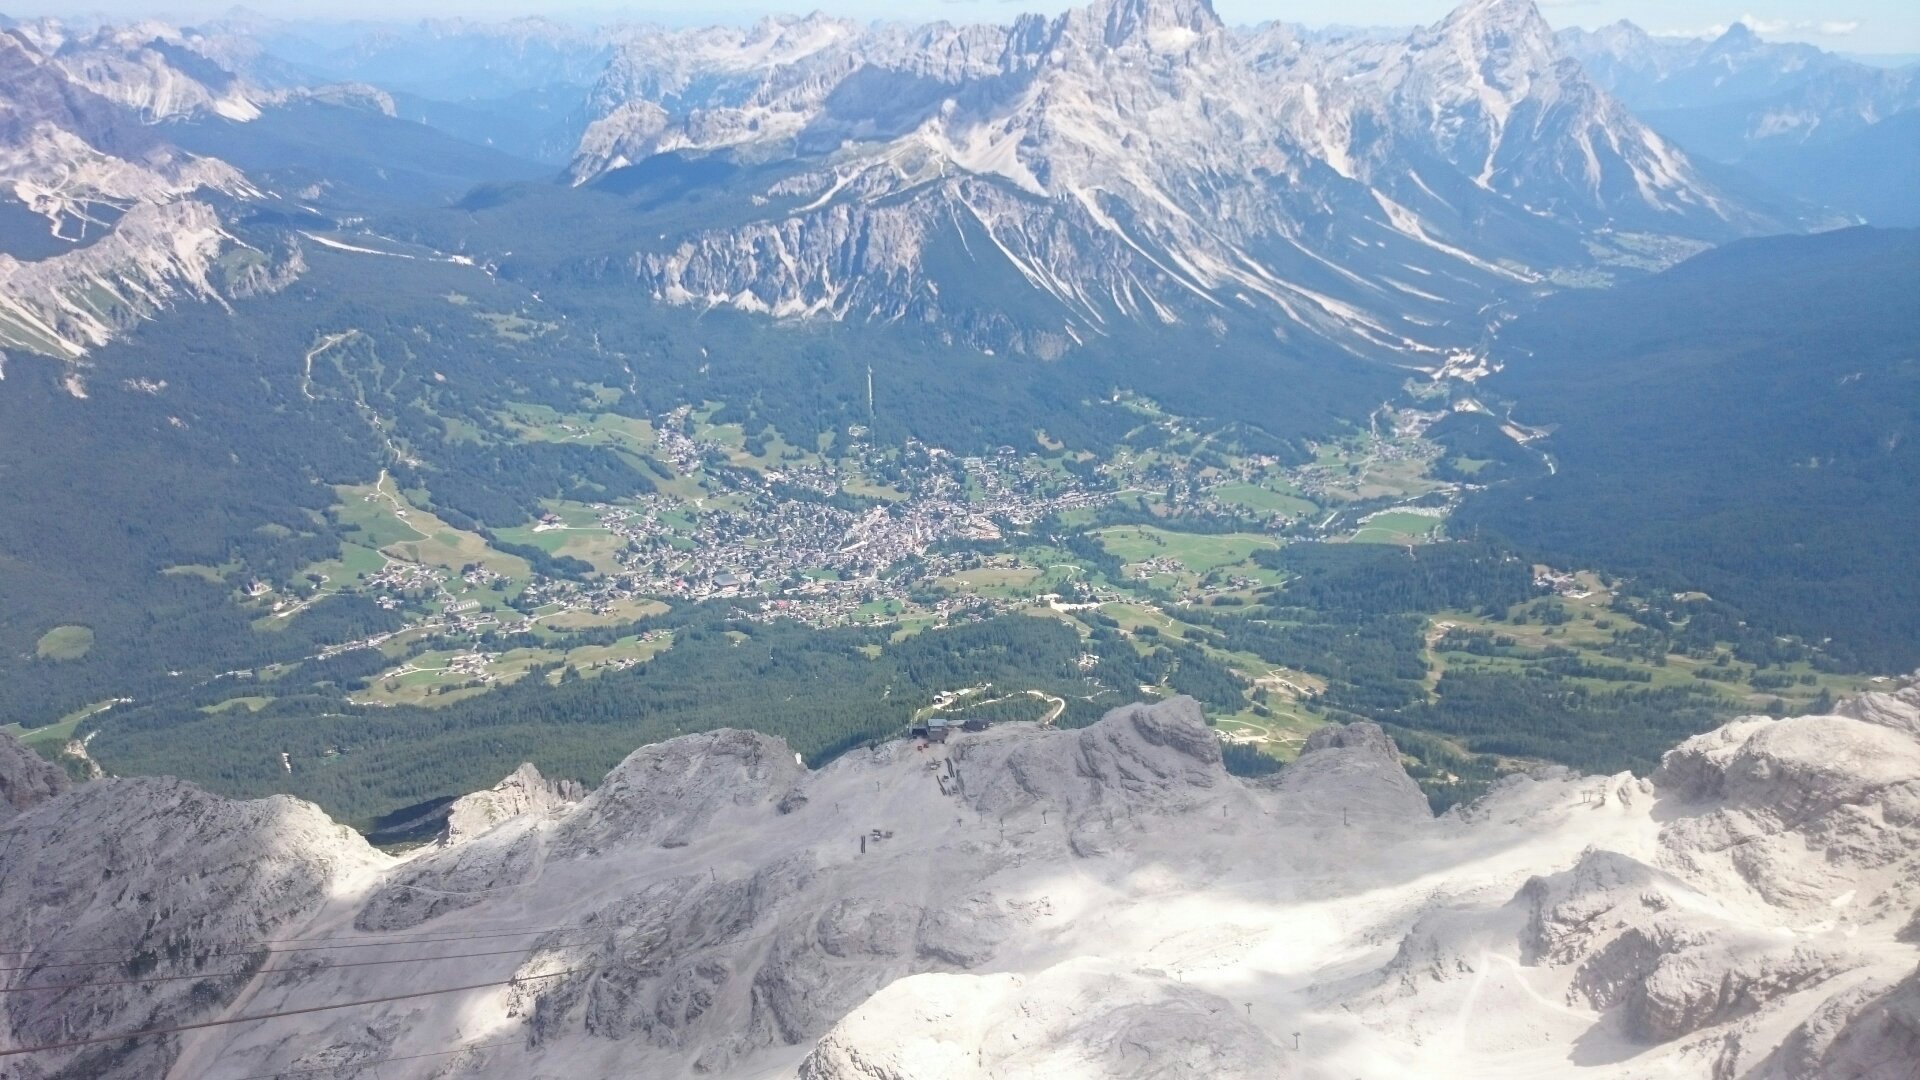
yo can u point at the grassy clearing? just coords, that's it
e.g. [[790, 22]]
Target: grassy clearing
[[579, 535], [1198, 553], [515, 327], [443, 677], [48, 739], [1280, 735], [867, 489], [385, 520], [1265, 500], [617, 613], [64, 643], [539, 423], [1589, 627], [356, 563], [1006, 582], [1397, 527]]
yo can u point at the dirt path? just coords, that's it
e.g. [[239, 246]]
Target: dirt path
[[1057, 705], [327, 342]]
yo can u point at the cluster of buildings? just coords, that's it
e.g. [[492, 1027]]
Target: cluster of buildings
[[835, 553], [1564, 583]]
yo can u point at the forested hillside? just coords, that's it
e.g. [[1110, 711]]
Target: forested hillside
[[1746, 424]]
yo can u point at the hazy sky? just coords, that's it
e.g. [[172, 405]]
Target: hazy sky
[[1869, 26]]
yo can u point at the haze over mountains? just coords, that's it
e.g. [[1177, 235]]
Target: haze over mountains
[[835, 429], [1812, 124], [1133, 161]]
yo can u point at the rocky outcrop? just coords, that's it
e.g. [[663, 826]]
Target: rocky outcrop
[[119, 878], [1025, 901], [524, 791], [26, 778], [68, 304], [1899, 710], [1869, 1032], [1766, 793], [127, 212], [1351, 770], [1140, 763], [668, 794]]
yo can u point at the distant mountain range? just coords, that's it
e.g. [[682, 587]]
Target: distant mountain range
[[1727, 96], [1139, 160], [1027, 188], [1831, 131]]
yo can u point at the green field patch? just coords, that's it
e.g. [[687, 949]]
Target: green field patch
[[355, 563], [539, 423], [1533, 645], [906, 627], [1145, 621], [615, 614], [1138, 543], [593, 660], [1279, 735], [774, 453], [1006, 582], [884, 610], [385, 519], [443, 677], [515, 327], [1397, 527], [864, 488], [47, 739], [370, 519], [1265, 500], [204, 573], [578, 534], [64, 643]]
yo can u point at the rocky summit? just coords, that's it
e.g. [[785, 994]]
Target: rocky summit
[[1139, 160], [1015, 902]]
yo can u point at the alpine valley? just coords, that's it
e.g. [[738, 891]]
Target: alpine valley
[[1108, 544]]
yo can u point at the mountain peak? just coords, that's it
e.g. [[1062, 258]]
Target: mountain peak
[[1738, 38], [1161, 25], [1495, 12], [1499, 26], [1502, 41]]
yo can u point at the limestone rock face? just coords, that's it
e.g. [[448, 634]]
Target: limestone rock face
[[144, 873], [1870, 1032], [524, 791], [1351, 769], [26, 778], [669, 793], [1140, 763], [1021, 901], [1770, 793], [76, 134], [1077, 1021], [1899, 709]]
